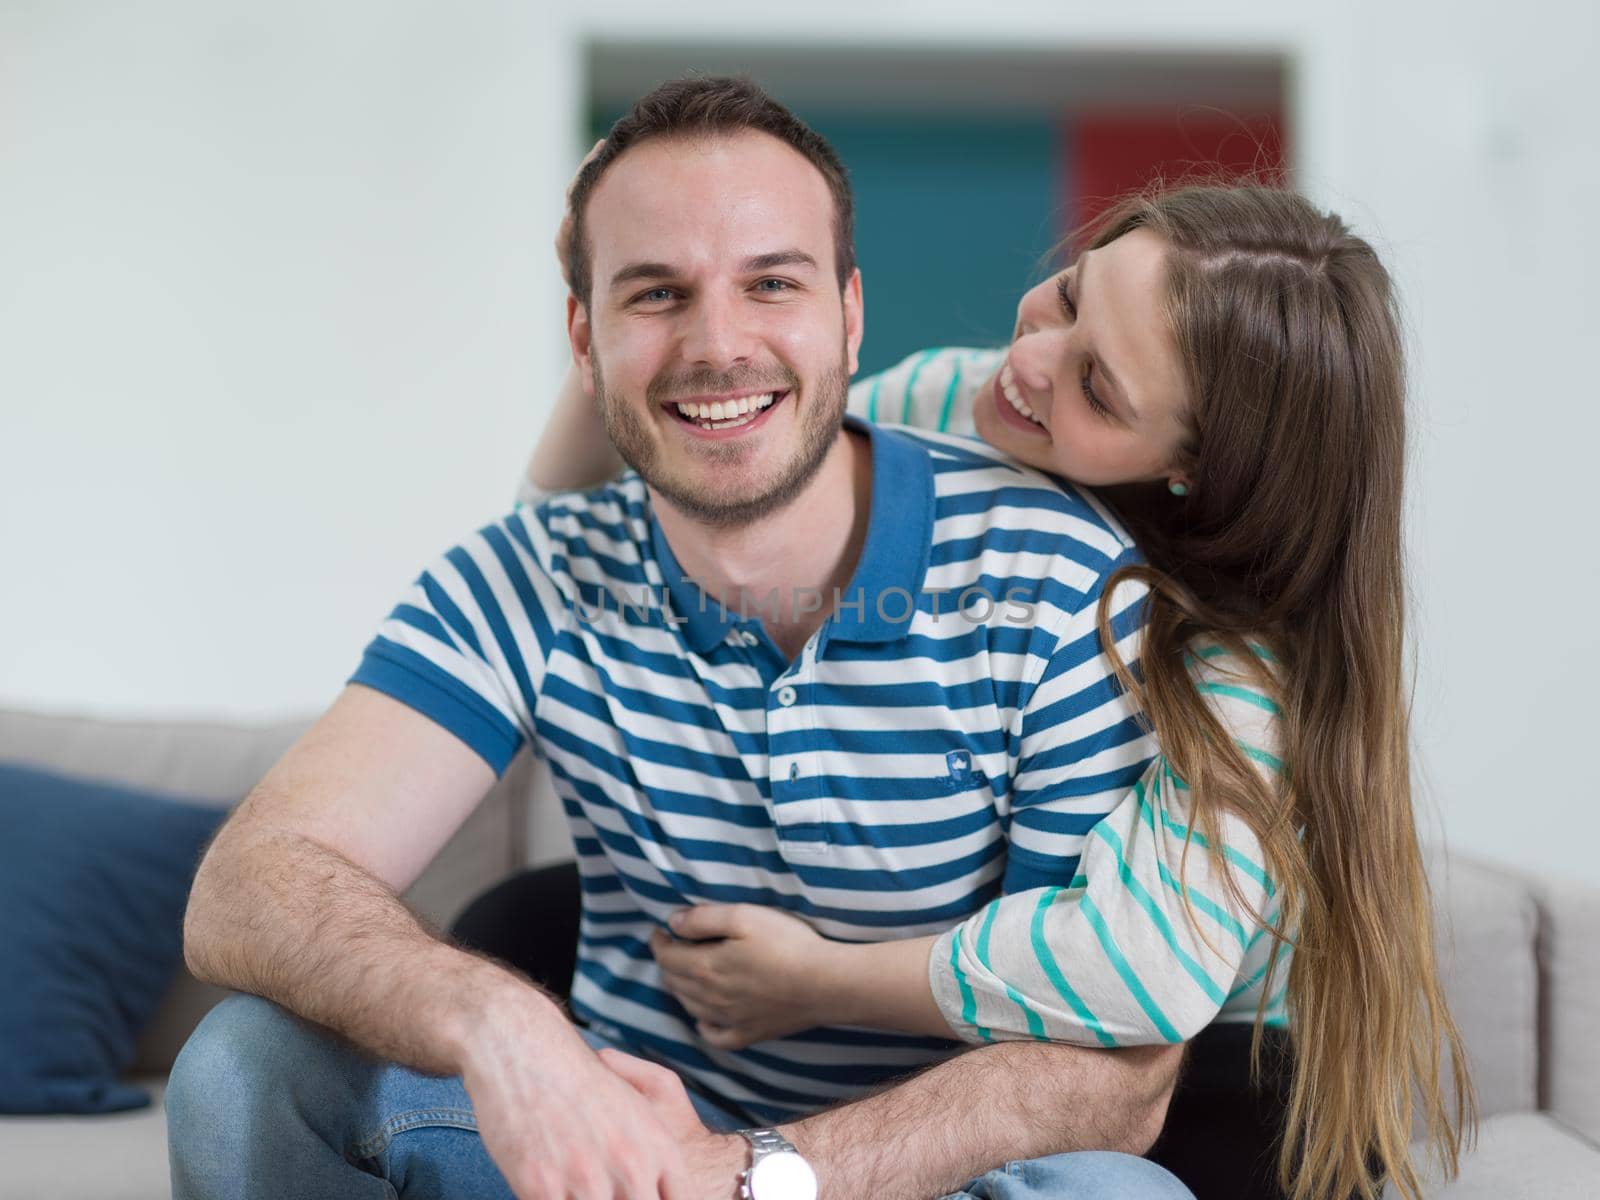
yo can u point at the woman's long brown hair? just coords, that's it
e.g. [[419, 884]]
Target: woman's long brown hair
[[1290, 536]]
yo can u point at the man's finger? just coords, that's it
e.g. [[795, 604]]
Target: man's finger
[[657, 1084], [644, 1077]]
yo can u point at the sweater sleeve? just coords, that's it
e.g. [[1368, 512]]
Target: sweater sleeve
[[933, 389], [1145, 944]]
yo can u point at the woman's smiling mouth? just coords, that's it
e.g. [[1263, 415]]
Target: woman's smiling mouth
[[1013, 406]]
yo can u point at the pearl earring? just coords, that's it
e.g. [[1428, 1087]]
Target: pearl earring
[[1178, 489]]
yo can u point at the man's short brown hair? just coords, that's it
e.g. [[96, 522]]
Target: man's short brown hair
[[696, 106]]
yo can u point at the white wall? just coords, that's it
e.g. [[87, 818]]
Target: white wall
[[276, 317], [277, 322]]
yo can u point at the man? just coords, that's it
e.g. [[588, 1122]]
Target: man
[[799, 758]]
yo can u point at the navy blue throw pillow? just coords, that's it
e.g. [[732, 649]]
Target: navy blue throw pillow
[[93, 882]]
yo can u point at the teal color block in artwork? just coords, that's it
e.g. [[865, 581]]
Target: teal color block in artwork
[[955, 219]]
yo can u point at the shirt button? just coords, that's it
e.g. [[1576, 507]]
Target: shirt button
[[748, 638], [786, 696], [794, 771]]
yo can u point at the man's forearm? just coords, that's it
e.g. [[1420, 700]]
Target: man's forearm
[[1016, 1100], [281, 916]]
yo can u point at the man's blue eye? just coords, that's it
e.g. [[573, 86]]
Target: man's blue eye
[[778, 285], [658, 294]]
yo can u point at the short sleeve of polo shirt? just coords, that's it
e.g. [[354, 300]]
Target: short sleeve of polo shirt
[[467, 644], [1082, 745]]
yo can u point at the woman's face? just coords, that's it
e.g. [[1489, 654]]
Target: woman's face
[[1093, 363]]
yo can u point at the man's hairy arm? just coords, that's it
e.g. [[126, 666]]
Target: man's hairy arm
[[928, 1135], [282, 908], [297, 901]]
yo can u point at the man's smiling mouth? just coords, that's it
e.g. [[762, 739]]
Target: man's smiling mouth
[[725, 414]]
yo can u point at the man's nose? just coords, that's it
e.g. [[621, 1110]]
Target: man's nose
[[716, 334]]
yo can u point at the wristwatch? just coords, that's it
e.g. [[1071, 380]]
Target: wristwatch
[[776, 1170]]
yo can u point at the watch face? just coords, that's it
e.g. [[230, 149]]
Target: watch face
[[783, 1176]]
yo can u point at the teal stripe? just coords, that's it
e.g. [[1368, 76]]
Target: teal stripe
[[950, 399], [1129, 977], [1256, 648], [1257, 977], [1206, 905], [872, 398], [1202, 901], [1250, 752], [1034, 1024], [969, 1002], [991, 910], [1248, 866], [1239, 693], [1276, 1003], [1036, 1028], [1052, 970], [1261, 756], [911, 384], [1158, 918], [1248, 983]]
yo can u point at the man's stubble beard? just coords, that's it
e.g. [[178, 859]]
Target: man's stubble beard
[[821, 419]]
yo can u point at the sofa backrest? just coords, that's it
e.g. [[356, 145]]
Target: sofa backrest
[[218, 763], [1569, 1000], [1521, 959], [1486, 923]]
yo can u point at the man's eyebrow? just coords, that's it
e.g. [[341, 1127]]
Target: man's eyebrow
[[634, 272], [642, 270], [1105, 368], [780, 258]]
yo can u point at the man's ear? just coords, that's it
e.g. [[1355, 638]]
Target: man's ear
[[579, 335], [854, 318]]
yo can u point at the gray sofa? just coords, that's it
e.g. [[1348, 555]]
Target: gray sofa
[[1522, 956]]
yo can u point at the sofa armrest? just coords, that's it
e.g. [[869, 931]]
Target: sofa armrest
[[1569, 985]]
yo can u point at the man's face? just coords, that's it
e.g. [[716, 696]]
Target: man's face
[[717, 341]]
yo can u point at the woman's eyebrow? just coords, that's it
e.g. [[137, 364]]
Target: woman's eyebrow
[[1105, 367]]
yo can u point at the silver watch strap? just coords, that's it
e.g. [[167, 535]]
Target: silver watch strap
[[764, 1142]]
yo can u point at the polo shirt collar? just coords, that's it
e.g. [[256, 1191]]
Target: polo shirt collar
[[894, 560]]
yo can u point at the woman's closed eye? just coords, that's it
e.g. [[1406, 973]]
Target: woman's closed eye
[[1087, 383], [1086, 379]]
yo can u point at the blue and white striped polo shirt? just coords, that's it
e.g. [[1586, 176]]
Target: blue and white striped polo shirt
[[906, 767]]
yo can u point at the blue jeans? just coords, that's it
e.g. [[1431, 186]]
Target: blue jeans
[[262, 1104]]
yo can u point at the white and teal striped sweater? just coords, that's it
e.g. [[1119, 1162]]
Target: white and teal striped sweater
[[1114, 958]]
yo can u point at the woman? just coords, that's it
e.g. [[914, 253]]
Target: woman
[[1224, 365]]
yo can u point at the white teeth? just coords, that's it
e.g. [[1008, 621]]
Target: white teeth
[[726, 414], [1008, 386]]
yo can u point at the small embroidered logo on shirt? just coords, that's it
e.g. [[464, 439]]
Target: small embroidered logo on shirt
[[959, 764]]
